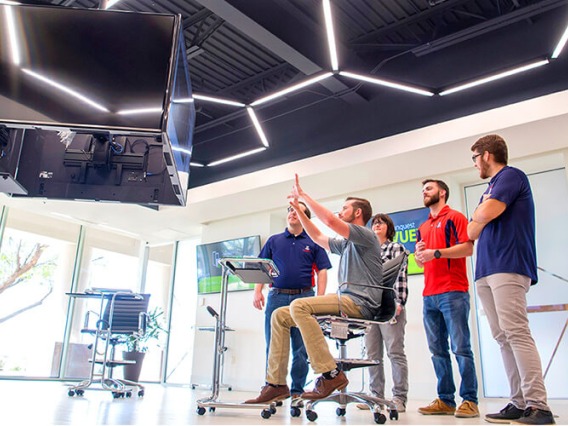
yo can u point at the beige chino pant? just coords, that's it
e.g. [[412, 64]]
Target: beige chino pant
[[300, 314]]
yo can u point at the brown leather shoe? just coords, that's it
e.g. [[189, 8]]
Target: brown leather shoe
[[325, 387], [270, 393], [467, 409], [437, 407]]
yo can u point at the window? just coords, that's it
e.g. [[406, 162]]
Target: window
[[36, 267]]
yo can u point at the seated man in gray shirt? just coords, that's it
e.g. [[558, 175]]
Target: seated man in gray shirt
[[360, 263]]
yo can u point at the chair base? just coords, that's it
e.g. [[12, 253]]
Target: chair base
[[344, 398], [120, 388]]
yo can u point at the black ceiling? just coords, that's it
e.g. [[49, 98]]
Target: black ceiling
[[246, 49]]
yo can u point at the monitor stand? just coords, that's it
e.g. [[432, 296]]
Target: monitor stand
[[251, 271]]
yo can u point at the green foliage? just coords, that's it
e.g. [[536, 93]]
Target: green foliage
[[153, 337]]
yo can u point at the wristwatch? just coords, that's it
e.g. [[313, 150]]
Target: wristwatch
[[437, 254]]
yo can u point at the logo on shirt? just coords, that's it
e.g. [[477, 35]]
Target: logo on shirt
[[439, 225], [307, 249]]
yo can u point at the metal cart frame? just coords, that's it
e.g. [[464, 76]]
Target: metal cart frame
[[250, 270]]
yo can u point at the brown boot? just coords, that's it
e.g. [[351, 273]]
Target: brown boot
[[270, 393], [325, 387], [437, 407]]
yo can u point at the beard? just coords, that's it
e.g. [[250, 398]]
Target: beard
[[348, 219], [429, 201], [483, 170]]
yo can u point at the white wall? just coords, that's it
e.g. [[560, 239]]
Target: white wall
[[388, 173]]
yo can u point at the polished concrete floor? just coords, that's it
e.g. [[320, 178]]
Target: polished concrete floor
[[47, 403]]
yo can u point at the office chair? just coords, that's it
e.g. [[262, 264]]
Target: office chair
[[342, 329], [125, 314]]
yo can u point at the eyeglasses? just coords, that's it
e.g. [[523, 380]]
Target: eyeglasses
[[290, 209], [473, 157], [377, 223]]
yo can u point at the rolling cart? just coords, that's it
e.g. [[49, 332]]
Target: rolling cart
[[215, 315], [249, 270]]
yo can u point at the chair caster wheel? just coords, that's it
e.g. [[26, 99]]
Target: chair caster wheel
[[140, 393], [311, 415], [80, 392], [128, 394], [278, 403], [393, 415], [295, 411], [211, 409], [265, 414], [272, 410], [71, 393], [340, 412], [201, 410], [380, 418]]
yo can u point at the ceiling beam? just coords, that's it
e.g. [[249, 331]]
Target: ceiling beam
[[403, 23], [268, 40], [526, 12], [195, 18]]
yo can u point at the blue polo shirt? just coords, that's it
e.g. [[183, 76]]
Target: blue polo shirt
[[297, 259], [507, 243]]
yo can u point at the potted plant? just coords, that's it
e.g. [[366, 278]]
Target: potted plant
[[137, 345]]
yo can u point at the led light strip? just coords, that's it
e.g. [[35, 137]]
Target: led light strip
[[217, 100], [291, 89], [256, 123], [494, 77], [386, 83], [330, 35], [560, 44], [236, 157], [111, 3]]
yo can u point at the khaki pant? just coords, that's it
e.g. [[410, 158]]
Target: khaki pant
[[300, 314], [504, 300]]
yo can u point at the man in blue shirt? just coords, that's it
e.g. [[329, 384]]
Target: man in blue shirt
[[504, 224], [299, 261]]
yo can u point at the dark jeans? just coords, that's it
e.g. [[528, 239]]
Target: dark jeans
[[446, 315], [299, 370]]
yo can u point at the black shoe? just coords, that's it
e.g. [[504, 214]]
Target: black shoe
[[506, 415], [535, 416]]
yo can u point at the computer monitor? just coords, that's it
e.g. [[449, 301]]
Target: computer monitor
[[209, 271]]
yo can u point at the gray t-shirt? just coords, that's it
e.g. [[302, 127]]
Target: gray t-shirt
[[360, 263]]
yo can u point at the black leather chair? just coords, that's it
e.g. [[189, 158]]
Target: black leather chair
[[342, 329], [124, 314]]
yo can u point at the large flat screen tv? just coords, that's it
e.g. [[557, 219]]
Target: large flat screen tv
[[209, 272], [100, 75]]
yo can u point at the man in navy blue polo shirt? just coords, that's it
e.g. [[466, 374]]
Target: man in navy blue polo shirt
[[504, 225], [300, 261]]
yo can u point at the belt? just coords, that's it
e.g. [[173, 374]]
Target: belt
[[290, 290]]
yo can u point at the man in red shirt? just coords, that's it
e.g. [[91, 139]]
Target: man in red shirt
[[441, 250]]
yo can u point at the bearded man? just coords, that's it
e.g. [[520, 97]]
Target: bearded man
[[441, 248]]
